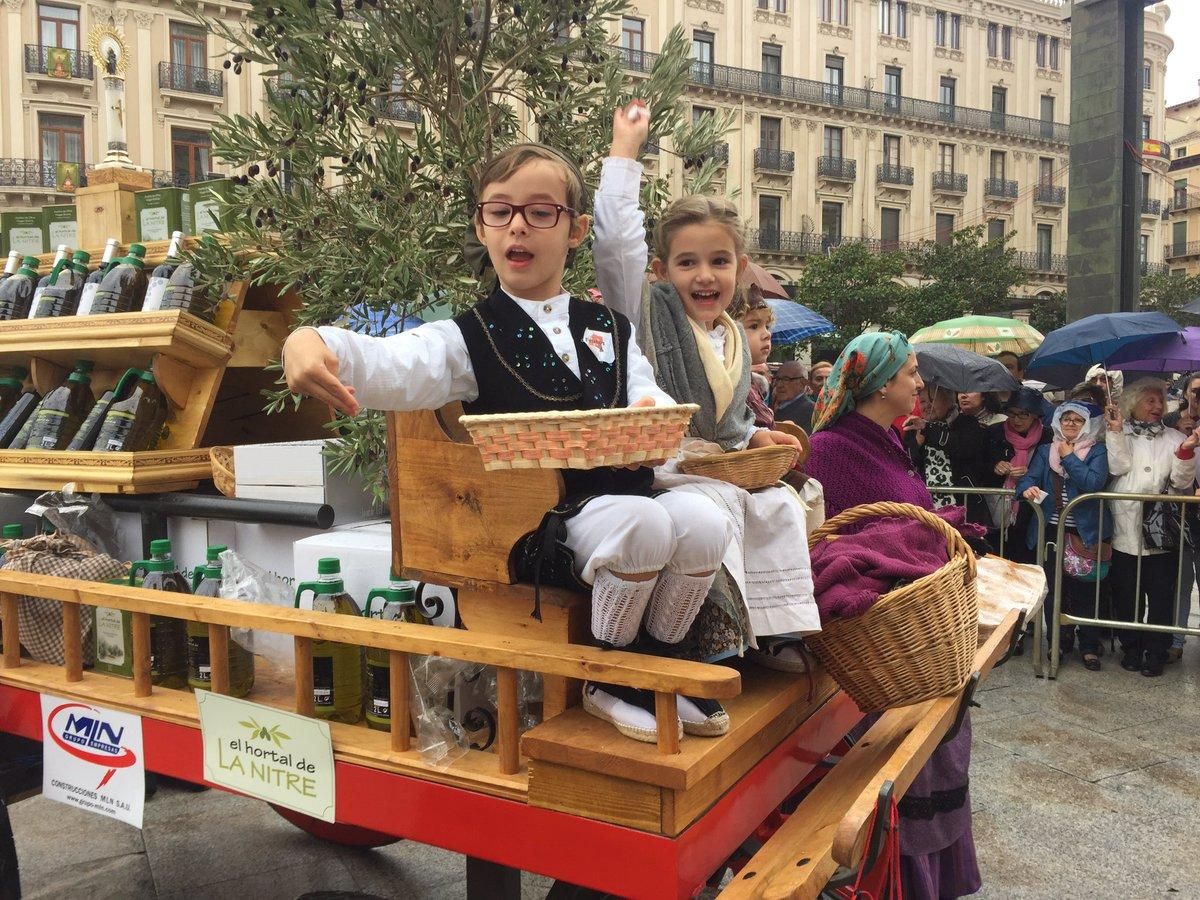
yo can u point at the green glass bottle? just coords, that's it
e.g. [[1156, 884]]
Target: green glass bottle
[[206, 582], [338, 669], [395, 603], [168, 637]]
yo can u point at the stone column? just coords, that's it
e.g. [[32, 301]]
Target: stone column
[[13, 77], [147, 78]]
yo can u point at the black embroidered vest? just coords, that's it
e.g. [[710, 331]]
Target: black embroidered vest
[[518, 370]]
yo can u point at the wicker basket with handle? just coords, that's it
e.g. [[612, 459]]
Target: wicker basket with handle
[[582, 439], [748, 469], [223, 472], [918, 641]]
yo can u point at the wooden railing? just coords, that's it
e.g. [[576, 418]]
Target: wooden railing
[[509, 655]]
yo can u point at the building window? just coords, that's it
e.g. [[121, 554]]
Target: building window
[[769, 220], [1045, 245], [1006, 42], [993, 40], [944, 227], [902, 19], [834, 79], [955, 31], [1054, 54], [1146, 75], [769, 131], [58, 26], [891, 87], [633, 34], [1146, 123], [885, 16], [700, 112], [891, 151], [835, 9], [189, 46], [889, 228], [831, 222], [191, 155], [772, 67], [61, 140], [941, 28], [995, 230], [999, 106], [1042, 41], [996, 167], [833, 142], [1047, 108], [702, 56], [1179, 195], [946, 158], [1179, 238], [1145, 188], [1046, 171], [947, 90], [1143, 248]]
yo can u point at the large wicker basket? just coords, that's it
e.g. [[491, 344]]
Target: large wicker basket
[[584, 439], [918, 641], [748, 469]]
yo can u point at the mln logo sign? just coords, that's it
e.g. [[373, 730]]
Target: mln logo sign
[[83, 733]]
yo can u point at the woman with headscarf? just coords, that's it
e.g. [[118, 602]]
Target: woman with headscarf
[[1145, 457], [1021, 434], [858, 458], [1075, 463]]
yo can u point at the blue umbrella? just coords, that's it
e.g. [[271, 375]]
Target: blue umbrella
[[1067, 352], [380, 323], [795, 322]]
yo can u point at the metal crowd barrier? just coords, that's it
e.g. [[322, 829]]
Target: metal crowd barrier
[[1035, 614], [1183, 551]]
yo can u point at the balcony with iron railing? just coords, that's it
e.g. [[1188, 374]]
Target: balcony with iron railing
[[900, 175], [803, 90], [58, 62], [34, 173], [837, 168], [950, 182], [799, 243], [161, 178], [191, 79], [719, 152], [1044, 263], [1182, 200], [400, 110], [1003, 188], [1177, 250], [770, 159], [1151, 207], [1050, 194], [1149, 268], [1185, 162]]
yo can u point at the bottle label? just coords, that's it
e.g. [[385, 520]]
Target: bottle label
[[199, 667], [86, 299], [115, 432], [48, 426], [381, 690], [154, 295], [322, 680], [37, 303], [110, 636]]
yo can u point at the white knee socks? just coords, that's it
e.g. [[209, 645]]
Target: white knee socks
[[673, 607], [618, 606]]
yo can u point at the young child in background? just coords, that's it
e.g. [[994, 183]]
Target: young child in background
[[700, 355], [528, 347], [756, 319]]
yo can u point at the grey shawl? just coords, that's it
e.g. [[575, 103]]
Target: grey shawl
[[668, 341]]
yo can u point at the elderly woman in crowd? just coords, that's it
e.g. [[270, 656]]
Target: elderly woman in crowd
[[1075, 463], [859, 458], [1146, 457], [1184, 420]]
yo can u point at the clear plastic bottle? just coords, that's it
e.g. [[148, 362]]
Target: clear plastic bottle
[[338, 669], [61, 296], [88, 295], [206, 582], [62, 411], [16, 291], [157, 284], [168, 637], [395, 603], [135, 422], [124, 287]]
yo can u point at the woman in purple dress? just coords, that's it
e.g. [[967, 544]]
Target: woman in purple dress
[[858, 458]]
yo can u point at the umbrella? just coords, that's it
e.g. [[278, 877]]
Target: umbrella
[[1169, 353], [955, 369], [1192, 306], [1068, 351], [766, 282], [795, 322], [985, 335]]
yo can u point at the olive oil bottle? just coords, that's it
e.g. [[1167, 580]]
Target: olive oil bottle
[[134, 422], [62, 411], [157, 284], [338, 669], [395, 603], [206, 582], [61, 296], [10, 388], [124, 286], [88, 294], [16, 291], [168, 637]]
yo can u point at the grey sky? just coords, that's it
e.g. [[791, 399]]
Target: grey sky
[[1183, 65]]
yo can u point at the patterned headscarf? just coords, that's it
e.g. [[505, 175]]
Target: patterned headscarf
[[865, 365]]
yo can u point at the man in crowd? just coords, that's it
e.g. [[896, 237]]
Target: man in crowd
[[789, 395]]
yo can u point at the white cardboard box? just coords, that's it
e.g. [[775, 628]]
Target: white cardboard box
[[299, 472]]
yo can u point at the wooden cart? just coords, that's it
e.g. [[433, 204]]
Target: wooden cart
[[570, 796]]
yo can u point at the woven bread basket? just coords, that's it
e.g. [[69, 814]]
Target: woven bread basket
[[222, 468], [583, 439], [747, 469], [918, 641]]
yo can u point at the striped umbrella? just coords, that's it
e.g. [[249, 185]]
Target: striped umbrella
[[985, 335], [795, 322]]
